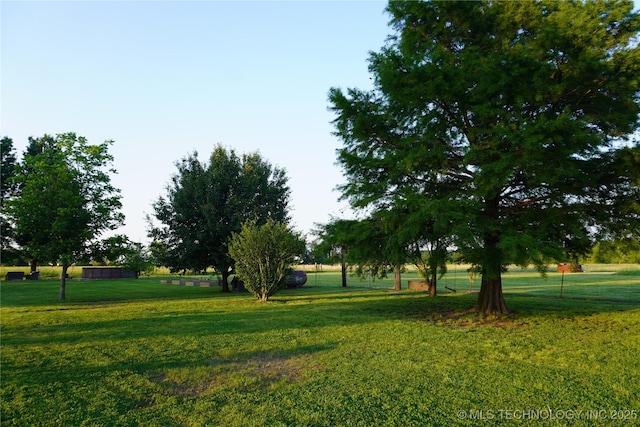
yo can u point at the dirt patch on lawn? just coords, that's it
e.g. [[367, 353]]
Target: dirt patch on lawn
[[275, 367], [256, 371], [470, 319]]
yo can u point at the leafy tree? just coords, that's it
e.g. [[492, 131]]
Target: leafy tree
[[159, 253], [207, 202], [413, 234], [119, 250], [362, 246], [36, 146], [385, 241], [335, 241], [503, 118], [7, 190], [111, 250], [263, 254], [425, 249], [619, 251], [65, 200], [373, 250]]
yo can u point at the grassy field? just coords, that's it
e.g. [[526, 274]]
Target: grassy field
[[136, 352]]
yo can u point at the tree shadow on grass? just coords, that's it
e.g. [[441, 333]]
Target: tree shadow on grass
[[192, 373], [457, 308], [262, 367], [190, 350], [45, 292], [70, 327], [210, 317]]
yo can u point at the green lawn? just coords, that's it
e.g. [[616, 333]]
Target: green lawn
[[136, 352]]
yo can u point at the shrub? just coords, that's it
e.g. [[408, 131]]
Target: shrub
[[263, 255]]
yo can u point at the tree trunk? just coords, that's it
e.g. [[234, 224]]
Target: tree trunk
[[63, 281], [490, 300], [343, 265], [33, 265], [432, 284], [397, 279], [225, 280]]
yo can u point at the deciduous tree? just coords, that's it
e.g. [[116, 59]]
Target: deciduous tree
[[363, 246], [119, 250], [207, 202], [7, 169], [65, 201], [334, 241]]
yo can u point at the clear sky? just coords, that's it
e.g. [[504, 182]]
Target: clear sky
[[163, 79]]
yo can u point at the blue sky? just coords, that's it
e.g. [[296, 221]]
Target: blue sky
[[163, 79]]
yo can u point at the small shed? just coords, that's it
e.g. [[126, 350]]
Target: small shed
[[107, 273]]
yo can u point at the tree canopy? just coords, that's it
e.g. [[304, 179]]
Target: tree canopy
[[7, 171], [65, 199], [120, 250], [505, 124], [208, 201]]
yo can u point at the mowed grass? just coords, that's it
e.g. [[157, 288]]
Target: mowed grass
[[136, 352]]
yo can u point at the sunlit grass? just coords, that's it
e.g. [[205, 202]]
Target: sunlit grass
[[136, 352], [74, 271]]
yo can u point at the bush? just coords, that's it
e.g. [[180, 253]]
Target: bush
[[263, 255]]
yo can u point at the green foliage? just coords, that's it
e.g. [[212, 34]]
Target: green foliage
[[263, 254], [363, 243], [332, 239], [65, 199], [119, 250], [616, 251], [7, 171], [386, 240], [207, 202], [503, 129], [7, 167]]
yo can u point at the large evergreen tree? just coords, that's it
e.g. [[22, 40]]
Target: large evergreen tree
[[207, 202], [507, 119]]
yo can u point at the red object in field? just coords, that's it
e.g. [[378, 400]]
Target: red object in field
[[570, 268]]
